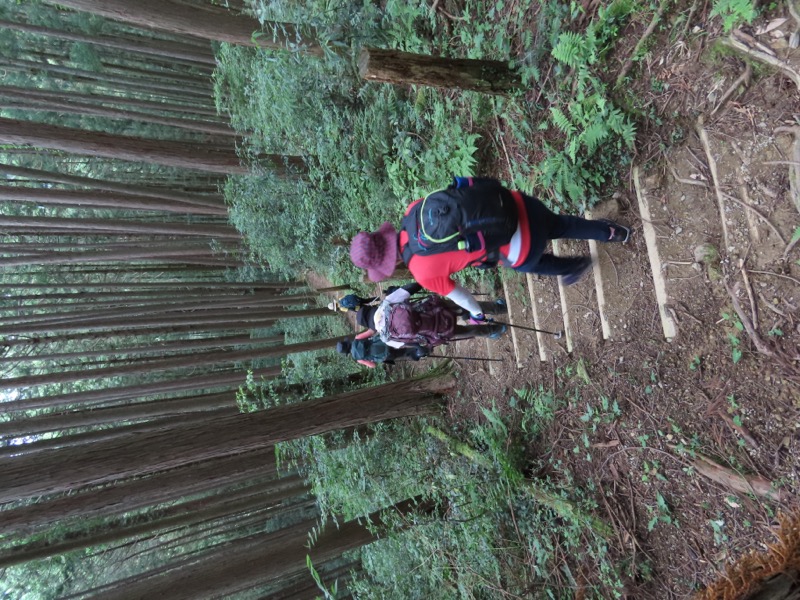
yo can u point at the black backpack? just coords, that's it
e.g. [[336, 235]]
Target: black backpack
[[481, 217], [370, 349]]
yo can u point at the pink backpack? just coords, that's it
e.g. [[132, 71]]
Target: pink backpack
[[428, 322]]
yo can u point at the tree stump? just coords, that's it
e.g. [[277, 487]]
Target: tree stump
[[393, 66]]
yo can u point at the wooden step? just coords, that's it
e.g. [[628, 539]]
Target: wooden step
[[544, 293], [600, 271], [579, 302], [622, 284], [519, 313], [537, 295], [668, 324]]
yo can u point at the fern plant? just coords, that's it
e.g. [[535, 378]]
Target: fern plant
[[594, 131], [734, 12]]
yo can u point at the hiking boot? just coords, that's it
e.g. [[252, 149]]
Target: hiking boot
[[496, 307], [581, 268], [494, 330], [619, 233]]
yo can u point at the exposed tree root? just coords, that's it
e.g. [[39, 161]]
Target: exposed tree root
[[794, 169], [744, 79], [650, 28], [760, 55], [712, 167]]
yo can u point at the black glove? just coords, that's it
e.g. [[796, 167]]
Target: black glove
[[412, 288], [420, 352]]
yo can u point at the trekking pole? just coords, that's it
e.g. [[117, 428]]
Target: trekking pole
[[467, 358], [556, 334]]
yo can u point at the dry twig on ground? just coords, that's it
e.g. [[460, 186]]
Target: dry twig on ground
[[712, 167], [761, 55], [744, 79], [650, 28]]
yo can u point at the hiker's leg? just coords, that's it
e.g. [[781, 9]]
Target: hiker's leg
[[490, 330], [548, 264], [552, 226]]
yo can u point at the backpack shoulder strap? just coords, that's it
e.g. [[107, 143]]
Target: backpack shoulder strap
[[409, 225]]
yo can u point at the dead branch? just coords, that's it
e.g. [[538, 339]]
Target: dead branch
[[744, 79], [758, 342], [755, 212], [769, 305], [733, 42], [745, 484], [712, 167], [782, 276], [650, 28], [794, 171], [685, 181], [789, 247], [753, 304], [793, 11]]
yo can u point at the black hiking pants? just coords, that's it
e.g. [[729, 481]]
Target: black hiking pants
[[545, 225]]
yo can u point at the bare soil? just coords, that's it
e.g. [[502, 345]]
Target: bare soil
[[716, 390]]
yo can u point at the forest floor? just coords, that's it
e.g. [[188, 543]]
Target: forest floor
[[640, 411]]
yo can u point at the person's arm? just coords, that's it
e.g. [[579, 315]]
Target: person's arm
[[467, 301], [412, 288], [397, 296], [365, 334], [367, 363]]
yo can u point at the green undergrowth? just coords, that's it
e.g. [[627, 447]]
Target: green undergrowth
[[498, 531], [369, 148]]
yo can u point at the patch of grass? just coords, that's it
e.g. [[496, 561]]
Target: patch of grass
[[498, 532]]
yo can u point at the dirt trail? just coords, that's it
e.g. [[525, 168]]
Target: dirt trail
[[656, 329]]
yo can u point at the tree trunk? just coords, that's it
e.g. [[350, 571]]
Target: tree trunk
[[258, 558], [215, 202], [151, 47], [181, 515], [194, 361], [220, 26], [111, 81], [33, 225], [393, 66], [191, 255], [160, 348], [31, 102], [25, 477], [135, 494], [120, 414], [181, 155], [214, 381]]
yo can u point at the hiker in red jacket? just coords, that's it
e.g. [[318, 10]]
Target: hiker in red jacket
[[477, 222]]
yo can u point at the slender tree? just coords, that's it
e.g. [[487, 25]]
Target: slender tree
[[176, 17], [255, 559], [168, 153], [151, 47], [25, 477]]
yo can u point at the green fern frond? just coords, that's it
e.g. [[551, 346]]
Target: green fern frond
[[562, 121], [572, 148], [593, 135], [569, 49]]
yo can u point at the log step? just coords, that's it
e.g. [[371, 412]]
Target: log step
[[656, 266]]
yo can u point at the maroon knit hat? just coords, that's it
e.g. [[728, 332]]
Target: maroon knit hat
[[376, 252]]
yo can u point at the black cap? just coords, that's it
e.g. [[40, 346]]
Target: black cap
[[344, 346]]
